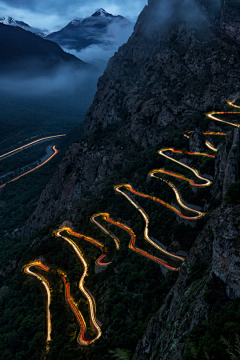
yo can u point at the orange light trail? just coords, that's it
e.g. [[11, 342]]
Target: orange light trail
[[145, 216], [95, 242], [86, 293], [24, 147], [211, 114], [194, 171], [30, 171], [231, 103], [81, 339], [80, 319], [215, 133], [107, 232], [139, 251]]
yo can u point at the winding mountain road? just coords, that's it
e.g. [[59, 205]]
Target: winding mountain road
[[55, 151], [32, 143], [86, 293], [121, 189]]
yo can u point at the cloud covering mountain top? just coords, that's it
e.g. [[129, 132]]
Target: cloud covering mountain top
[[53, 15]]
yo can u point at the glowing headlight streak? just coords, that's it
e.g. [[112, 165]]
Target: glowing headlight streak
[[87, 294], [37, 167], [137, 250], [210, 146], [214, 133], [81, 339], [80, 319], [107, 232], [27, 270], [194, 171], [189, 132], [199, 215], [145, 216], [95, 242], [24, 147], [231, 103], [211, 115]]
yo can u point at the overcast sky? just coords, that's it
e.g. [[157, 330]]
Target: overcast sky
[[54, 14]]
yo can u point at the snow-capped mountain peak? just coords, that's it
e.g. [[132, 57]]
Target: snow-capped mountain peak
[[6, 21], [12, 22], [9, 21], [101, 13]]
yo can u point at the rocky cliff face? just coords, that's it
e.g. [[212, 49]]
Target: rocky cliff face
[[160, 78], [172, 68], [217, 246], [226, 164], [185, 306]]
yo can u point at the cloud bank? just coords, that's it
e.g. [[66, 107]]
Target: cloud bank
[[53, 15]]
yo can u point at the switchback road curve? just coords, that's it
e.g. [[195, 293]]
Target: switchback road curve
[[85, 292], [121, 189]]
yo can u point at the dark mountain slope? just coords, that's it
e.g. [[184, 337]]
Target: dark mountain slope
[[178, 62], [19, 46]]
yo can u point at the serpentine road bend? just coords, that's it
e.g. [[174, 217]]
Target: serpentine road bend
[[24, 147], [132, 245], [27, 270], [86, 293], [55, 151]]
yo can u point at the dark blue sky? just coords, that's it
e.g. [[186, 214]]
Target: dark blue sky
[[54, 14]]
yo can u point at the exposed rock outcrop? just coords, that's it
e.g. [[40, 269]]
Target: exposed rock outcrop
[[197, 141], [226, 164], [218, 247]]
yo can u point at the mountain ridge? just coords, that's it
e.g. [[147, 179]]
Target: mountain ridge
[[12, 22], [81, 33]]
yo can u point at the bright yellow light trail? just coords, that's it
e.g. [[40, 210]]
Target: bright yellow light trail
[[194, 171], [232, 103], [210, 146], [87, 294], [70, 301], [211, 114], [27, 270], [24, 147], [81, 340], [137, 250], [107, 232], [95, 242], [145, 216], [35, 168]]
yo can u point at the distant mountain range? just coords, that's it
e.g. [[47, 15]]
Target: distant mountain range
[[96, 29], [21, 49], [23, 25], [101, 28]]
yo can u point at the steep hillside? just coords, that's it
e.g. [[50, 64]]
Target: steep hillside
[[30, 51], [182, 60], [164, 78]]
